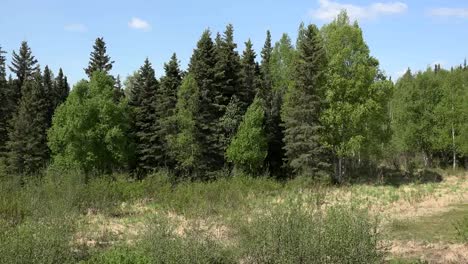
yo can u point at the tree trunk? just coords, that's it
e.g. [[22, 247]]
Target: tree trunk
[[454, 153]]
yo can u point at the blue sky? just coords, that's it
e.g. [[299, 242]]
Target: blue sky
[[400, 33]]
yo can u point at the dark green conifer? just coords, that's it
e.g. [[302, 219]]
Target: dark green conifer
[[28, 151], [61, 89], [201, 68], [23, 65], [99, 60], [143, 104], [165, 107], [250, 76], [302, 108]]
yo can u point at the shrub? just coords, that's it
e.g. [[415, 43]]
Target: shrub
[[43, 241], [163, 245], [292, 234]]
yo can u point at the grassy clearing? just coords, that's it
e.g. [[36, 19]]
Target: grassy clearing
[[62, 219], [450, 226]]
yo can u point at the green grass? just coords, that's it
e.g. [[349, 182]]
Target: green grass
[[49, 219], [435, 228]]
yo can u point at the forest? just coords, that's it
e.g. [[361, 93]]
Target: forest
[[286, 156]]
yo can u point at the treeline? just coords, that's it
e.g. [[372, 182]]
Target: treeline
[[320, 107]]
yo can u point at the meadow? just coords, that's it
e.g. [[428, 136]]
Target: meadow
[[65, 218]]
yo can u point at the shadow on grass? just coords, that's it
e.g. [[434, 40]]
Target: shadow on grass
[[378, 175]]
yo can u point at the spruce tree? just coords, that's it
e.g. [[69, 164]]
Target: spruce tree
[[165, 107], [250, 73], [272, 101], [302, 108], [4, 104], [227, 68], [202, 64], [118, 90], [228, 83], [28, 151], [49, 89], [61, 89], [23, 65], [99, 60], [143, 105]]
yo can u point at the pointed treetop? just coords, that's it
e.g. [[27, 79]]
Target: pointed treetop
[[267, 49], [99, 60], [24, 64]]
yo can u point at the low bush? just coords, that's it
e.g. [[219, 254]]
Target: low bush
[[44, 241], [164, 245], [292, 233]]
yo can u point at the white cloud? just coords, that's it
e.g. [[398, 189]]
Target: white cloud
[[449, 12], [75, 28], [328, 10], [138, 23]]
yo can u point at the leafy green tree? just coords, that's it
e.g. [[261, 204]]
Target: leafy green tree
[[143, 105], [451, 114], [99, 60], [28, 151], [165, 107], [202, 68], [184, 145], [282, 64], [230, 121], [249, 147], [303, 107], [414, 120], [89, 131], [350, 95]]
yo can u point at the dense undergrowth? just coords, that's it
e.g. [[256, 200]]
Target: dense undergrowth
[[262, 220]]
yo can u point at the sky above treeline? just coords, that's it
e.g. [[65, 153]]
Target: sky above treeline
[[400, 34]]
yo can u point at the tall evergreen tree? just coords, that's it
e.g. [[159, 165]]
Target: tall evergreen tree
[[143, 105], [305, 151], [265, 69], [23, 65], [118, 90], [250, 76], [228, 83], [99, 60], [49, 89], [61, 89], [28, 151], [202, 64], [227, 68], [4, 104], [165, 107]]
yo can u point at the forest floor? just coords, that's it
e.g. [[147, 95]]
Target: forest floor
[[417, 219]]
